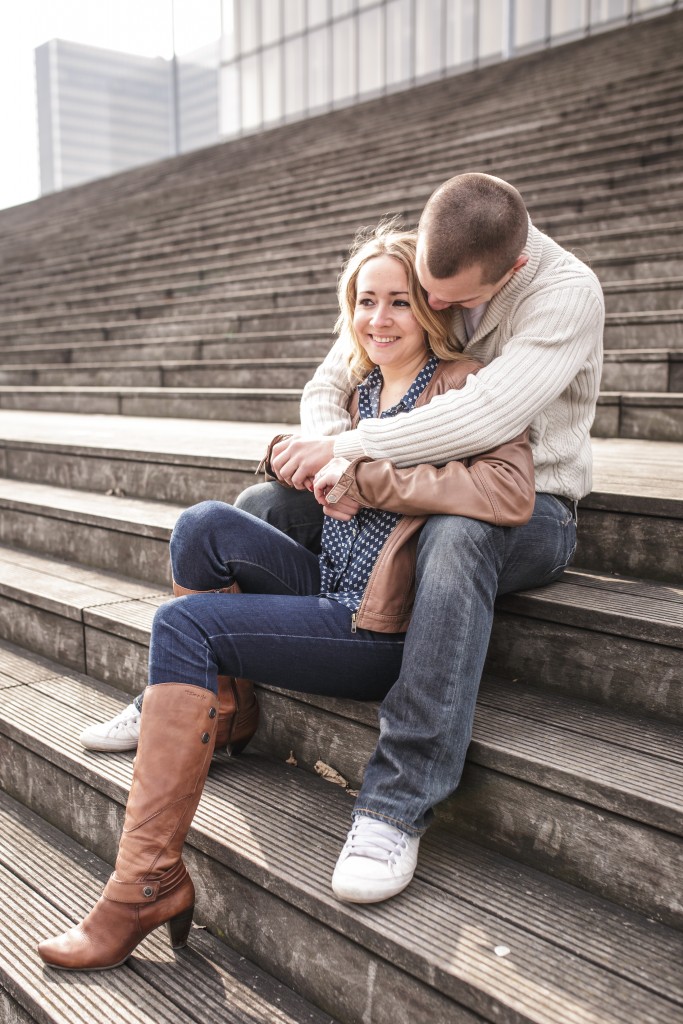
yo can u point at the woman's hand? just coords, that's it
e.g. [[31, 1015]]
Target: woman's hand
[[323, 482]]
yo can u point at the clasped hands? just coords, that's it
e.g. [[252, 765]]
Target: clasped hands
[[310, 464]]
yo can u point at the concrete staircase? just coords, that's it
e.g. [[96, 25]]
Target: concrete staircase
[[182, 306]]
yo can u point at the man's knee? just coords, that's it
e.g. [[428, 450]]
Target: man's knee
[[443, 532], [451, 545], [259, 500], [295, 513]]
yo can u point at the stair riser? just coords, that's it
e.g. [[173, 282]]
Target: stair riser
[[158, 481], [233, 322], [11, 1012], [618, 671], [338, 977], [44, 632], [635, 269], [602, 852], [637, 375], [260, 347], [630, 544], [637, 299], [623, 417], [653, 423], [648, 335], [156, 377], [125, 552], [267, 410]]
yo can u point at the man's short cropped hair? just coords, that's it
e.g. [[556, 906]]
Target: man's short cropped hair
[[473, 219]]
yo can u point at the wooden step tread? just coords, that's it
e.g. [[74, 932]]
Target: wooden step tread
[[49, 882], [62, 587], [440, 930], [134, 515], [608, 604], [206, 442]]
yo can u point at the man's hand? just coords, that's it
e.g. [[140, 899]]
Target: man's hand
[[344, 509], [296, 460]]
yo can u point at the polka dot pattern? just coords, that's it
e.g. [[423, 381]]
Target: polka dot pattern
[[350, 549]]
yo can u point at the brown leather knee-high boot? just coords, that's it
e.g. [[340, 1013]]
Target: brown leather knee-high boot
[[238, 710], [150, 885]]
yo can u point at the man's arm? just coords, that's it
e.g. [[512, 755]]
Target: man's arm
[[499, 402], [325, 398]]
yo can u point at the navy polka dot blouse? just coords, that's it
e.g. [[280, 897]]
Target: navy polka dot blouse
[[350, 549]]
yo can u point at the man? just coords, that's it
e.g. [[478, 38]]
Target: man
[[534, 315]]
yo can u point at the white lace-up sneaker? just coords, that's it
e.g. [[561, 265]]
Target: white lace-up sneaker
[[119, 733], [378, 861]]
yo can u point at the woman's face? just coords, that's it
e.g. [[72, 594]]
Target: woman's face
[[383, 320]]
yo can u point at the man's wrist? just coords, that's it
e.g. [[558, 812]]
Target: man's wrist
[[349, 445]]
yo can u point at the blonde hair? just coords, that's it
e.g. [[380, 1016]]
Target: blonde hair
[[387, 239]]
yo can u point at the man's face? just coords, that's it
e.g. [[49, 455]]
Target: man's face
[[464, 290]]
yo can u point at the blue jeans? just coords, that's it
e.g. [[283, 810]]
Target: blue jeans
[[277, 630], [426, 718]]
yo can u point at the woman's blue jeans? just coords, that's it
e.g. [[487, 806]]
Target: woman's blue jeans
[[277, 630], [426, 718]]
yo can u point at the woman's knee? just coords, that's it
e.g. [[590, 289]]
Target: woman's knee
[[170, 616], [194, 532]]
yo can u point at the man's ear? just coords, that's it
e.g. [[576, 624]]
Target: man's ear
[[520, 262]]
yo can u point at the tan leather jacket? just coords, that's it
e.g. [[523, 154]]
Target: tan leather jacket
[[496, 487]]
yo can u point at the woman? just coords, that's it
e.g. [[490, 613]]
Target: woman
[[332, 625]]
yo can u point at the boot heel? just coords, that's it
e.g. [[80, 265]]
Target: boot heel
[[179, 928]]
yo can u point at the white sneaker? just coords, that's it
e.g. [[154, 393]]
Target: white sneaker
[[119, 733], [378, 861]]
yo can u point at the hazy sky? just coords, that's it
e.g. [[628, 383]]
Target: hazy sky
[[134, 26]]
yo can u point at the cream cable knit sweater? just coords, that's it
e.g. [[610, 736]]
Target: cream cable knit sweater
[[541, 342]]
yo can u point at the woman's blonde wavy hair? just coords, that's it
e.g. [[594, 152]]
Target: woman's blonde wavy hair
[[388, 239]]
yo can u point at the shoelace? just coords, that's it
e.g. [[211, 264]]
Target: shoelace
[[375, 839], [128, 716]]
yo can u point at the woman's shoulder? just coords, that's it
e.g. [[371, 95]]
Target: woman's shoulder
[[452, 373]]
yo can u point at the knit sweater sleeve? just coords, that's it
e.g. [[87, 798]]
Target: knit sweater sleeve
[[551, 335], [325, 398]]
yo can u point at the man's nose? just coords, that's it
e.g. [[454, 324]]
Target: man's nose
[[437, 303]]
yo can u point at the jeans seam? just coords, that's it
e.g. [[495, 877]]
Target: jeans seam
[[272, 575]]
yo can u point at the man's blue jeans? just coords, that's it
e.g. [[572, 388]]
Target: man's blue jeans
[[426, 718], [277, 630]]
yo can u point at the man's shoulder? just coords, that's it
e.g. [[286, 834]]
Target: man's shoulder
[[558, 267]]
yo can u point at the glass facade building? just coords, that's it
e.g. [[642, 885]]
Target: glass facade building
[[100, 111], [277, 61], [283, 60]]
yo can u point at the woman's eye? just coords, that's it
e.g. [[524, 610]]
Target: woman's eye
[[364, 302], [403, 303]]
